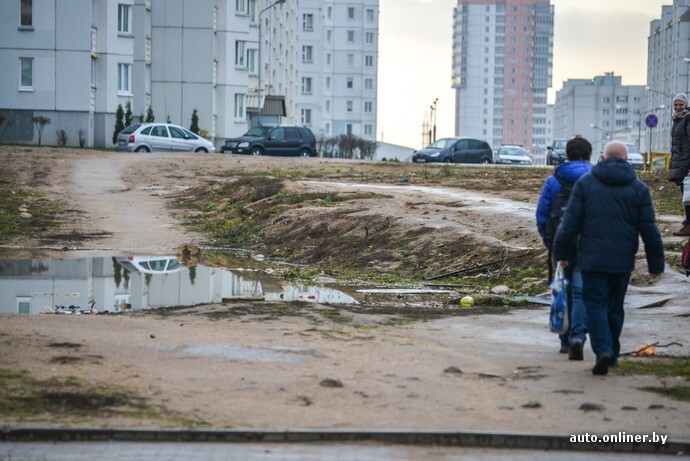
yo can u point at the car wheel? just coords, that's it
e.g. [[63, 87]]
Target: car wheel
[[304, 153], [447, 160], [202, 150], [256, 151], [486, 161], [142, 149]]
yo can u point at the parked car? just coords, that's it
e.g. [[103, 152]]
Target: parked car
[[455, 150], [556, 152], [278, 140], [513, 155], [161, 137], [150, 264], [635, 157]]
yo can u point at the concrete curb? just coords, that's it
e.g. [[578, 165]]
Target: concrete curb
[[401, 437]]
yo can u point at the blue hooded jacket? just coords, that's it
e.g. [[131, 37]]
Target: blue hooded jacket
[[568, 171], [608, 210]]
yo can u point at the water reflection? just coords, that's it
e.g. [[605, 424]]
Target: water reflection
[[140, 282]]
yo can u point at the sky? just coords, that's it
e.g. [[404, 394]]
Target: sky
[[591, 37]]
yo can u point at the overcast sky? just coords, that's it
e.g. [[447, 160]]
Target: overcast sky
[[590, 37]]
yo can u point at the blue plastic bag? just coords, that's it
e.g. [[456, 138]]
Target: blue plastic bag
[[558, 318]]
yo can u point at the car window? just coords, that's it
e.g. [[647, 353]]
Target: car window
[[485, 145], [306, 133], [130, 129], [278, 133], [173, 264], [146, 130], [463, 144], [159, 130], [632, 149], [258, 131], [190, 135], [474, 144], [292, 133], [441, 144], [176, 132], [559, 144]]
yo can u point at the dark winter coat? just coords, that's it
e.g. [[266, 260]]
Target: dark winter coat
[[608, 209], [569, 172], [680, 150]]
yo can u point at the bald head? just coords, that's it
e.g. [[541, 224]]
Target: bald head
[[616, 149]]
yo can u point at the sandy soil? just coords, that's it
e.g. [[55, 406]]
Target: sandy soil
[[485, 372]]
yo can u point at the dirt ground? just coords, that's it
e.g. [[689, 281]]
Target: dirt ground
[[477, 372]]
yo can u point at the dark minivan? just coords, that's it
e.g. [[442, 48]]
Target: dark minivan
[[278, 140], [455, 150]]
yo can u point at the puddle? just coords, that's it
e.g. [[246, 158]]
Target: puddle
[[117, 284], [283, 354]]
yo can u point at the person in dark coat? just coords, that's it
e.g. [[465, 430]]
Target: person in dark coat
[[608, 209], [680, 152], [578, 152]]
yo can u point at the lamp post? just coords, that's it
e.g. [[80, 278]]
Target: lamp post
[[433, 114], [261, 64]]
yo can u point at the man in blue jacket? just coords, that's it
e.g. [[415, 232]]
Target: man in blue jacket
[[578, 152], [608, 209]]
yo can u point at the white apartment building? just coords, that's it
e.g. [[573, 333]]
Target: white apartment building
[[76, 61], [502, 61], [601, 110], [338, 67], [668, 66]]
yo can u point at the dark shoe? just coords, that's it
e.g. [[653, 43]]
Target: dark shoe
[[564, 349], [603, 363], [683, 232], [575, 350]]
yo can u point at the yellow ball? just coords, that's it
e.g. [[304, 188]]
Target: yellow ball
[[467, 301]]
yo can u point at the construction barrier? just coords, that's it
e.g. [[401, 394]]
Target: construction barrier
[[652, 161]]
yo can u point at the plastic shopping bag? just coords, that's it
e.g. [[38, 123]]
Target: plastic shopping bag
[[686, 190], [558, 319]]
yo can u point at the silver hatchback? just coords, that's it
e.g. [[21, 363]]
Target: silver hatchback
[[161, 137]]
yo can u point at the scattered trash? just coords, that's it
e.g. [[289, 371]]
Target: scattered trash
[[453, 371], [649, 350], [532, 404], [587, 406], [331, 382], [467, 301]]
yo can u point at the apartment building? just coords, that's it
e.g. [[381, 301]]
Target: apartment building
[[502, 62], [601, 109], [75, 62]]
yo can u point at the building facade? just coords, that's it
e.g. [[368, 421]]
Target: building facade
[[502, 64], [668, 67], [601, 110], [76, 62]]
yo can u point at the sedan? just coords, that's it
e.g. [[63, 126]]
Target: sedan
[[513, 155], [635, 158], [161, 137]]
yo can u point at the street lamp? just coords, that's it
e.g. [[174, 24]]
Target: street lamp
[[652, 90], [261, 64], [433, 116]]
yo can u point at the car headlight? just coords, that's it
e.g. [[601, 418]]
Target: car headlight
[[434, 154], [243, 144]]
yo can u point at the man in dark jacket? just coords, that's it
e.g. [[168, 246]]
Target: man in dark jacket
[[607, 211]]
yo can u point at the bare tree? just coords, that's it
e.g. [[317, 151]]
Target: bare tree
[[40, 121]]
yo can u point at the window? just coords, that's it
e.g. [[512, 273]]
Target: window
[[251, 61], [369, 37], [368, 61], [350, 59], [26, 73], [350, 12], [306, 116], [350, 82], [124, 76], [350, 36], [123, 18], [307, 53], [241, 6], [239, 52], [215, 73], [328, 83], [368, 130], [370, 15], [239, 106], [328, 105], [349, 106], [27, 13], [328, 59], [368, 107], [251, 10], [308, 21], [329, 35], [348, 128], [306, 85], [329, 12], [23, 305], [368, 83]]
